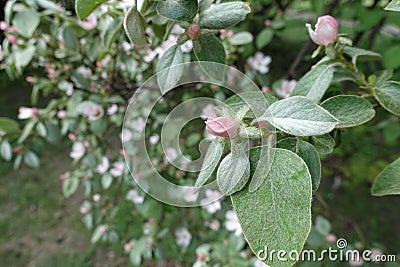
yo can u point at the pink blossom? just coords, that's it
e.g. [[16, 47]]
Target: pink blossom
[[265, 89], [286, 88], [30, 79], [117, 169], [221, 126], [89, 23], [83, 210], [326, 30], [78, 150], [62, 114], [259, 62], [96, 197], [3, 25], [193, 31], [27, 113], [93, 112], [128, 246], [331, 238], [11, 38]]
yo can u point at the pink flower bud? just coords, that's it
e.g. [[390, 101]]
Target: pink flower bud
[[3, 25], [11, 38], [326, 30], [193, 31], [30, 79], [62, 114], [221, 126]]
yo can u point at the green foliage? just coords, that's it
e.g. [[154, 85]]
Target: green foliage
[[388, 95], [349, 110], [85, 7], [168, 72], [388, 181], [135, 27], [26, 22], [224, 15], [314, 84], [209, 48], [299, 116], [271, 218], [394, 5], [180, 10]]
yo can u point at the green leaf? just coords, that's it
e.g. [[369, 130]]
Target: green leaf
[[26, 22], [98, 233], [299, 116], [349, 110], [169, 72], [106, 180], [324, 144], [388, 181], [31, 160], [308, 153], [394, 5], [241, 38], [322, 225], [6, 150], [69, 186], [233, 173], [135, 27], [360, 54], [263, 167], [180, 10], [225, 15], [210, 162], [23, 57], [258, 103], [391, 57], [315, 83], [209, 48], [112, 28], [383, 76], [84, 8], [278, 214], [26, 131], [70, 40], [8, 126], [388, 95], [49, 5], [264, 38]]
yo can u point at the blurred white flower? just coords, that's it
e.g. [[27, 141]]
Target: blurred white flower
[[211, 203], [117, 168], [259, 263], [213, 224], [177, 29], [27, 113], [126, 135], [170, 154], [139, 124], [89, 23], [84, 71], [183, 237], [286, 88], [189, 195], [134, 196], [232, 223], [93, 112], [259, 62], [355, 261], [376, 255], [154, 139], [126, 46], [62, 114], [96, 197], [69, 90], [207, 111], [103, 166], [112, 109], [78, 150], [187, 46]]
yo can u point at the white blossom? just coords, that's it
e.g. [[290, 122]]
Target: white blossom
[[183, 237], [232, 223], [27, 113], [112, 109], [134, 196], [93, 112], [211, 203], [117, 168], [189, 195], [89, 23], [259, 263], [84, 71], [170, 154], [259, 62], [213, 224], [103, 166], [154, 139], [126, 135], [78, 150], [286, 88]]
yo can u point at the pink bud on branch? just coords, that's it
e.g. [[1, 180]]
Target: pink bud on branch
[[193, 31], [326, 30], [221, 126]]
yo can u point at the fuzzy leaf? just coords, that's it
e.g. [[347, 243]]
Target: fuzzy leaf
[[388, 95], [168, 70], [213, 155], [278, 214], [388, 181], [180, 10], [225, 15], [135, 27], [85, 7], [233, 173]]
